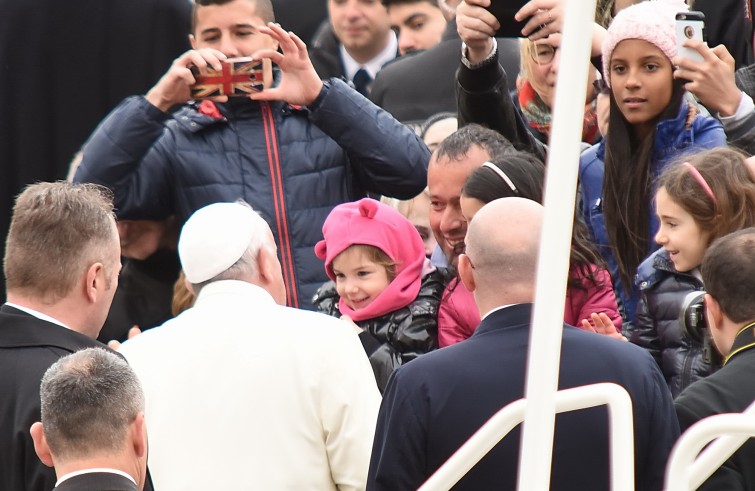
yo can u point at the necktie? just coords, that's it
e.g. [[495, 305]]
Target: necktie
[[362, 81]]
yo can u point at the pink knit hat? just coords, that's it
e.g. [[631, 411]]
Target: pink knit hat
[[651, 20], [370, 222]]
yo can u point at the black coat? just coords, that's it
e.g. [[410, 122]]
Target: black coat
[[63, 67], [656, 327], [97, 481], [416, 86], [28, 346], [144, 296], [303, 17], [484, 97], [727, 23], [434, 404], [729, 390], [400, 336]]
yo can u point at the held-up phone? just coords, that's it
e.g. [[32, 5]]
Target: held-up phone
[[689, 25], [504, 11], [238, 77]]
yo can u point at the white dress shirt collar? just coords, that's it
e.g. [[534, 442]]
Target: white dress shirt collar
[[350, 65], [38, 315]]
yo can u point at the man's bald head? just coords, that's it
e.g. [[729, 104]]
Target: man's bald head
[[502, 245]]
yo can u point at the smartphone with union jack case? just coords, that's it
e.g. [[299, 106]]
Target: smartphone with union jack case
[[238, 77]]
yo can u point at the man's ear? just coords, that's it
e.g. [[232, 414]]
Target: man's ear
[[95, 280], [138, 435], [264, 266], [193, 41], [713, 313], [465, 273], [40, 444]]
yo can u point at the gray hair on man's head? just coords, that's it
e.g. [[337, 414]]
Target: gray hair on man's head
[[89, 399]]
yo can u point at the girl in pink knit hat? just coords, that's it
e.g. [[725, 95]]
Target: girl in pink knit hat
[[650, 124], [382, 281]]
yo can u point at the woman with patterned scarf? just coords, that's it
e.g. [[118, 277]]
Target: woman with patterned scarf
[[536, 89]]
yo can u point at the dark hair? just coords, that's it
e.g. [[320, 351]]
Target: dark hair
[[527, 173], [627, 186], [732, 184], [457, 144], [263, 8], [729, 274], [89, 399], [431, 120]]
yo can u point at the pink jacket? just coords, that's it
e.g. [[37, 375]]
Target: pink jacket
[[458, 316]]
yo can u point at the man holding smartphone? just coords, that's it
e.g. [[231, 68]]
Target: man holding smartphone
[[293, 151]]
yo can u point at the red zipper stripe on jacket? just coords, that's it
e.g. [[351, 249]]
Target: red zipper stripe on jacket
[[279, 205]]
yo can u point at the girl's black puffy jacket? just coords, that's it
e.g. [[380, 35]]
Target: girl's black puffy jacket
[[657, 328], [400, 336]]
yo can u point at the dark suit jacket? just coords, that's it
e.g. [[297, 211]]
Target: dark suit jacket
[[435, 403], [325, 53], [416, 86], [729, 390], [97, 481], [28, 346]]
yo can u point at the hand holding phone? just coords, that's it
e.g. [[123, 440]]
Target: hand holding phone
[[689, 25], [504, 11]]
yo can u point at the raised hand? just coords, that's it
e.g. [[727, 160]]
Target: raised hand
[[476, 27], [173, 88], [602, 324], [711, 81], [546, 17], [300, 85]]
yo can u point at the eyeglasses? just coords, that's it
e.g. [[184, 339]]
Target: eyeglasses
[[600, 86], [542, 53]]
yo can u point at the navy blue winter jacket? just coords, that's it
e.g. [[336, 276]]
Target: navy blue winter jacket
[[657, 327], [293, 165], [672, 137]]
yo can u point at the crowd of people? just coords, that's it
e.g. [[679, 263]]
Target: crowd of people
[[328, 283]]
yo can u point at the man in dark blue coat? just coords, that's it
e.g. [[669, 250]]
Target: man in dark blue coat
[[293, 161], [435, 403]]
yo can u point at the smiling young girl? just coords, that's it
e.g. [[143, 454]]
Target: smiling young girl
[[706, 197], [382, 281], [650, 124]]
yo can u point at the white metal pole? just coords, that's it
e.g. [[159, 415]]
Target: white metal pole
[[553, 264]]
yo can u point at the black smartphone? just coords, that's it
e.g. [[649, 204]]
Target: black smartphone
[[504, 11]]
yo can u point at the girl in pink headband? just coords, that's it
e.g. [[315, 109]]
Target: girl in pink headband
[[704, 197]]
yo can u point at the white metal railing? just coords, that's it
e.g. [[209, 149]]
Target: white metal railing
[[686, 470], [502, 422]]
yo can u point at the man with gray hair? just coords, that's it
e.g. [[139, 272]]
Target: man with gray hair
[[92, 429], [62, 260], [243, 392], [435, 403]]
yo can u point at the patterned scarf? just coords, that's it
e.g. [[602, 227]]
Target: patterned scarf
[[538, 114]]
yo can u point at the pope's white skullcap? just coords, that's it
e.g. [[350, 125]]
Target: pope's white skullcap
[[214, 238]]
